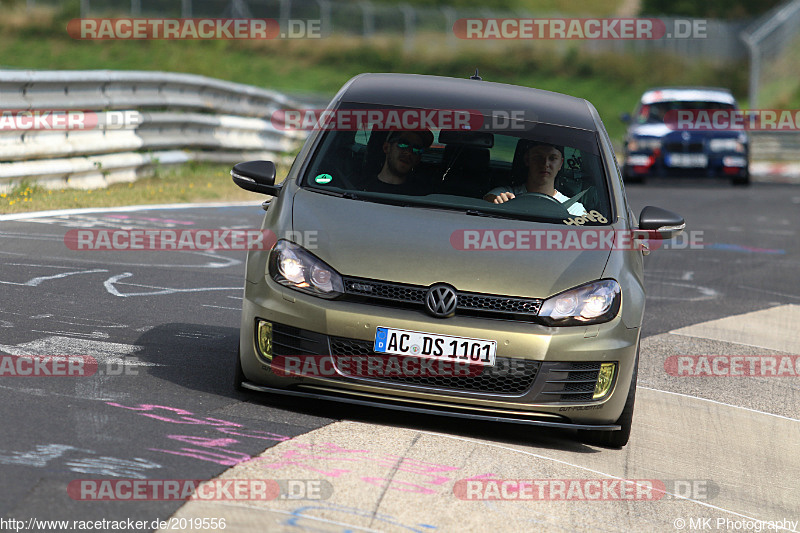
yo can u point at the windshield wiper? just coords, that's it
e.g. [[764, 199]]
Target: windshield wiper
[[515, 216], [339, 194], [476, 213]]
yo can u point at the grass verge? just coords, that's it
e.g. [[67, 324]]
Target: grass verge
[[192, 182]]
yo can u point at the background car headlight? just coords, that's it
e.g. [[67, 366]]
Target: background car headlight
[[593, 303], [644, 144], [295, 267], [726, 145]]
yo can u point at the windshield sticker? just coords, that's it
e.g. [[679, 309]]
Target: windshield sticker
[[323, 179], [592, 215]]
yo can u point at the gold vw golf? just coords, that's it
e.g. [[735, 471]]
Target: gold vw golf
[[451, 246]]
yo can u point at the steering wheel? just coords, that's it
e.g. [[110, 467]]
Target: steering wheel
[[532, 200], [536, 195]]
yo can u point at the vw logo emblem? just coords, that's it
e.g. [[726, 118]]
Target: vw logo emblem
[[441, 300], [686, 136]]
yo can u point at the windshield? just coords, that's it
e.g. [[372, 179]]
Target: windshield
[[533, 172], [654, 113]]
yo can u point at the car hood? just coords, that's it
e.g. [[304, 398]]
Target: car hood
[[420, 246], [651, 130], [665, 132]]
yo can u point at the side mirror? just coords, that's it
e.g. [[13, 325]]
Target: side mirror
[[625, 117], [660, 223], [256, 176]]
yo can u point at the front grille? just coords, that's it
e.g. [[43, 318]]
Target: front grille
[[508, 376], [558, 381], [287, 340], [395, 292], [684, 148], [569, 382], [469, 303]]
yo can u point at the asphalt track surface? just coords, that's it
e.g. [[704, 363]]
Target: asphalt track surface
[[163, 327]]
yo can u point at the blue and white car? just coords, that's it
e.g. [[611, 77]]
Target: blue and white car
[[657, 148]]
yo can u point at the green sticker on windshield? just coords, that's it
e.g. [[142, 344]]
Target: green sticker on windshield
[[323, 179]]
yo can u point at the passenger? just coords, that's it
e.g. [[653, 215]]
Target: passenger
[[543, 161], [403, 151]]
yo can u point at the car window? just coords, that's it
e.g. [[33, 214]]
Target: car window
[[459, 168], [654, 113]]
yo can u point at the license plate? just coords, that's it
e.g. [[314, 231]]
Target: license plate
[[687, 160], [432, 346]]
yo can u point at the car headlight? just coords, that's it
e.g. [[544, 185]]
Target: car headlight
[[726, 145], [644, 144], [295, 267], [593, 303]]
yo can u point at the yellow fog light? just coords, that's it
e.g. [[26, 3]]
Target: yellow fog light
[[604, 380], [264, 339]]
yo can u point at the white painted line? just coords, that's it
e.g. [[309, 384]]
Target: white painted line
[[221, 261], [774, 328], [110, 285], [104, 352], [775, 293], [92, 335], [38, 265], [122, 209], [35, 282], [706, 293], [31, 236], [48, 393], [221, 307], [721, 403], [598, 472]]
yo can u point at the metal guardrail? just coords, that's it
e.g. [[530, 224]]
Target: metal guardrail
[[176, 118], [170, 118], [770, 37], [781, 146], [415, 23]]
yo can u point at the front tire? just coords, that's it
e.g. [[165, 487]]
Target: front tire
[[630, 177], [742, 181], [619, 438], [238, 373]]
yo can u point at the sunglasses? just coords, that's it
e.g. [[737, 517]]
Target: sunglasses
[[417, 149]]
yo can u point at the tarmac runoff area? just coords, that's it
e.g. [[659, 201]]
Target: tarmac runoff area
[[699, 453]]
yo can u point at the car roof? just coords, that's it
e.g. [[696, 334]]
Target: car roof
[[436, 92], [680, 94]]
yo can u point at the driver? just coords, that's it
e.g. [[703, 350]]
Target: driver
[[543, 161]]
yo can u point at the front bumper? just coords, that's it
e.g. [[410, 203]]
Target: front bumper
[[718, 165], [563, 359]]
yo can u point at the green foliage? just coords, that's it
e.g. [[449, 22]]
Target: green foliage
[[718, 9], [598, 8], [612, 82]]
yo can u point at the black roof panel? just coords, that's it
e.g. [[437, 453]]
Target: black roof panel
[[435, 92]]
